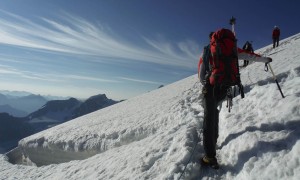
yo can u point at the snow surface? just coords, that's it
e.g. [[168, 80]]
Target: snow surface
[[153, 136]]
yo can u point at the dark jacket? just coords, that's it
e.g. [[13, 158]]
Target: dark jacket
[[248, 47], [276, 33]]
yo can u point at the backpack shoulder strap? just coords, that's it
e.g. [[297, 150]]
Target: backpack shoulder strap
[[206, 56]]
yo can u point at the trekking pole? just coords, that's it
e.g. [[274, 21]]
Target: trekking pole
[[274, 77]]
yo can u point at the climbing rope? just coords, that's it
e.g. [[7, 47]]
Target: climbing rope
[[188, 160]]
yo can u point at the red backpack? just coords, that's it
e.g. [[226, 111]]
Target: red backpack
[[224, 62]]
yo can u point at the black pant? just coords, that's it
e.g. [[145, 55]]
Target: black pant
[[212, 96], [275, 42]]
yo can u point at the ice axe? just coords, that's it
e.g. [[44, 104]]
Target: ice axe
[[232, 23], [241, 87]]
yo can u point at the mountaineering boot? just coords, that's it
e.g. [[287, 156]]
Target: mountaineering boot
[[211, 162]]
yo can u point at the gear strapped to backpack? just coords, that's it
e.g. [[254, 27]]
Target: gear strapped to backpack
[[224, 62]]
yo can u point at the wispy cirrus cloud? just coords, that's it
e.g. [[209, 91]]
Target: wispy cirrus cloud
[[78, 77], [75, 35], [11, 71], [182, 53], [21, 74], [140, 81]]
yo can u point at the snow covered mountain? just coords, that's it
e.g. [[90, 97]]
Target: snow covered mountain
[[158, 135], [52, 113], [92, 104], [58, 111]]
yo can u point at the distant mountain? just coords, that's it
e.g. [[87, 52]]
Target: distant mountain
[[28, 104], [12, 111], [3, 99], [58, 111], [25, 93], [12, 129], [92, 104], [15, 93], [53, 113]]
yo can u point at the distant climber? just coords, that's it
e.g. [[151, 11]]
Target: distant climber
[[275, 36], [248, 47]]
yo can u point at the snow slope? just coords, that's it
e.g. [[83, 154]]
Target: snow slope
[[153, 136]]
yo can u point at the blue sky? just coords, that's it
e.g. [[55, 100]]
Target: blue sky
[[122, 48]]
